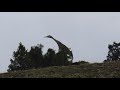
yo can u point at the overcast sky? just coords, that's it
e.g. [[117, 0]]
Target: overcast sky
[[86, 33]]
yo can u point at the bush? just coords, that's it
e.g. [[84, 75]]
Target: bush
[[114, 52]]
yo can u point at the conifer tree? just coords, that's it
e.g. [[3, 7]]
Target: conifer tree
[[20, 60]]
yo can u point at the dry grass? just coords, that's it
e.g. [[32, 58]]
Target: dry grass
[[96, 70]]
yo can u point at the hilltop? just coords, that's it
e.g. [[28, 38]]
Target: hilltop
[[94, 70]]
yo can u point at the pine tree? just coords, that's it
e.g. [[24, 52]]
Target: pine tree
[[20, 59]]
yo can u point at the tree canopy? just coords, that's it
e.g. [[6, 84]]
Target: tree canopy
[[24, 59], [114, 52]]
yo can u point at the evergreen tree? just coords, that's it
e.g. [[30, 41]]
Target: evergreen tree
[[36, 56], [20, 59], [49, 58], [114, 52]]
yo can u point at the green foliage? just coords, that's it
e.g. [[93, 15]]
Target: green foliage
[[114, 52], [35, 59], [49, 58], [36, 56], [56, 59], [62, 59], [20, 59]]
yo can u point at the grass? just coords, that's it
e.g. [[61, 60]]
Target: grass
[[95, 70]]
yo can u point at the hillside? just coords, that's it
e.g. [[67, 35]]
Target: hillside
[[96, 70]]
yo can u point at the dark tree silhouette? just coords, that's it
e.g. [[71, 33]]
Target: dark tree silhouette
[[20, 59], [62, 59], [49, 58], [56, 59], [36, 56], [114, 52]]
